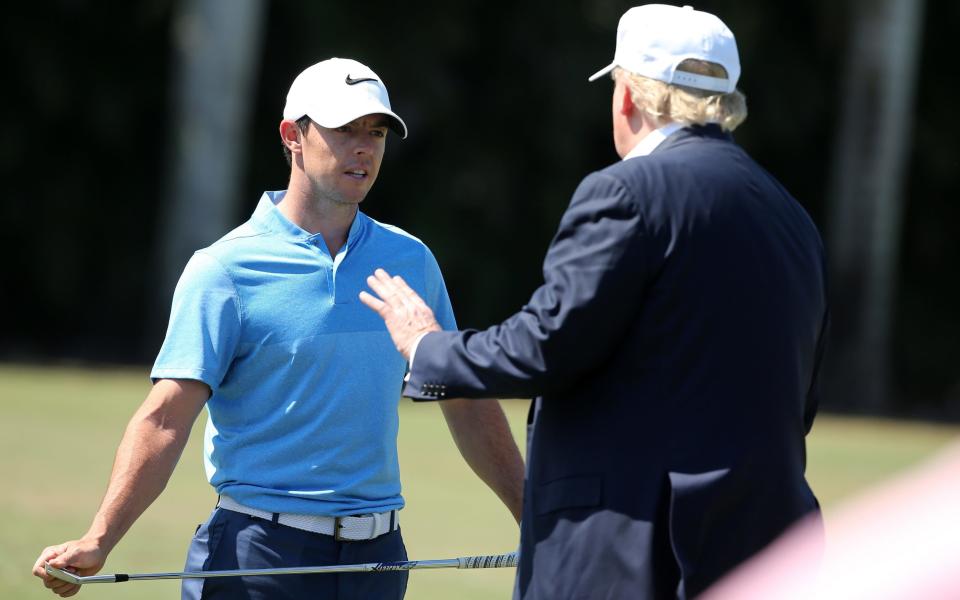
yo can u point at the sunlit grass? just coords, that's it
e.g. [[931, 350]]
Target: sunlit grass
[[60, 427]]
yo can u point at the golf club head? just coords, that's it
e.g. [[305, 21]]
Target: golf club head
[[61, 574]]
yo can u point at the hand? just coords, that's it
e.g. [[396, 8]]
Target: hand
[[405, 313], [83, 557]]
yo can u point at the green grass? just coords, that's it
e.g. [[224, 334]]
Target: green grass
[[60, 427]]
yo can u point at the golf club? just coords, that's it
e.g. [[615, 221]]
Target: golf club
[[490, 561]]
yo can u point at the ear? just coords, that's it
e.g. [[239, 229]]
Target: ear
[[627, 107], [290, 136]]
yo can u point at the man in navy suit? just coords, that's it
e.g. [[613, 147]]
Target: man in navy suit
[[673, 346]]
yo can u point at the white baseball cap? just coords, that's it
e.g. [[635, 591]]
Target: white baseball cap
[[337, 91], [653, 39]]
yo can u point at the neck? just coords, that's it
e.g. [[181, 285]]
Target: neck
[[648, 127], [631, 130], [317, 214]]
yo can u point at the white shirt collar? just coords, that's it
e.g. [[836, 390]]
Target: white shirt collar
[[653, 139]]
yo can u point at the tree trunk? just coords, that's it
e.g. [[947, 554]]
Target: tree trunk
[[217, 45], [866, 216]]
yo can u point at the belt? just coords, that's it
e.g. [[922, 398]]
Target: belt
[[343, 529]]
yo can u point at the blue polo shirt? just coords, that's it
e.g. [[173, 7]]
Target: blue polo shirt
[[305, 379]]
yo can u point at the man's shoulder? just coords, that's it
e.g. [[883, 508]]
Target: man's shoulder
[[628, 175], [387, 234], [633, 170], [687, 153], [390, 244], [241, 238], [239, 235]]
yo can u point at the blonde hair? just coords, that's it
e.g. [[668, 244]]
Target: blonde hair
[[665, 102]]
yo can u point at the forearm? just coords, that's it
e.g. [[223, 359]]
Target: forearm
[[146, 457], [482, 434], [144, 462]]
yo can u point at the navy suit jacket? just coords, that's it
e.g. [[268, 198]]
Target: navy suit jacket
[[674, 345]]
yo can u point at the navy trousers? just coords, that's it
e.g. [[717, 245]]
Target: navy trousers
[[231, 540]]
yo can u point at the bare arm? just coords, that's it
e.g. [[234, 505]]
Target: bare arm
[[480, 430], [149, 451]]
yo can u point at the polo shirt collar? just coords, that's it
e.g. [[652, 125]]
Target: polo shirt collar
[[269, 218]]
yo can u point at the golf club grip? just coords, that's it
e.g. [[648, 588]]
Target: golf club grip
[[491, 561], [70, 577]]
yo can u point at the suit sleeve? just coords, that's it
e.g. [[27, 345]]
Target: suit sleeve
[[593, 280]]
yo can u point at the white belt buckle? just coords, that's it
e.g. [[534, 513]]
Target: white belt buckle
[[361, 528], [339, 526]]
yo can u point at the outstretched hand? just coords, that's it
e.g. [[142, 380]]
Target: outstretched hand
[[405, 313]]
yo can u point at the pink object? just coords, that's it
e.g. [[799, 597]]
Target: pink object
[[899, 541]]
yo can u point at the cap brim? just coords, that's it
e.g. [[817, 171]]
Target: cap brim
[[398, 126], [394, 122], [602, 72]]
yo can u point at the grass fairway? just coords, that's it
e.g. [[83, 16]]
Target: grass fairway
[[60, 427]]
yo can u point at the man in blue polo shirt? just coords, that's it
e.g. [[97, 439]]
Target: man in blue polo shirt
[[300, 380]]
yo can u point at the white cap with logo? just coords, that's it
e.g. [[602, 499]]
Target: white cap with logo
[[337, 91], [653, 39]]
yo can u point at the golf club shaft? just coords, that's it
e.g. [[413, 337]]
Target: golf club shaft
[[492, 561]]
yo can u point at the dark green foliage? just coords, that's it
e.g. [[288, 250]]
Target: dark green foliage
[[503, 125]]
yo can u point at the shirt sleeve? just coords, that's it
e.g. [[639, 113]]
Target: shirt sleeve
[[436, 294], [204, 329]]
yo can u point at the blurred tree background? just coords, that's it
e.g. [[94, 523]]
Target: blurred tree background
[[110, 111]]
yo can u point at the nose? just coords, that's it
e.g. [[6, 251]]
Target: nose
[[364, 145]]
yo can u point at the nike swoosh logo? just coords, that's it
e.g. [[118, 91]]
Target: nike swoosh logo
[[352, 81]]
